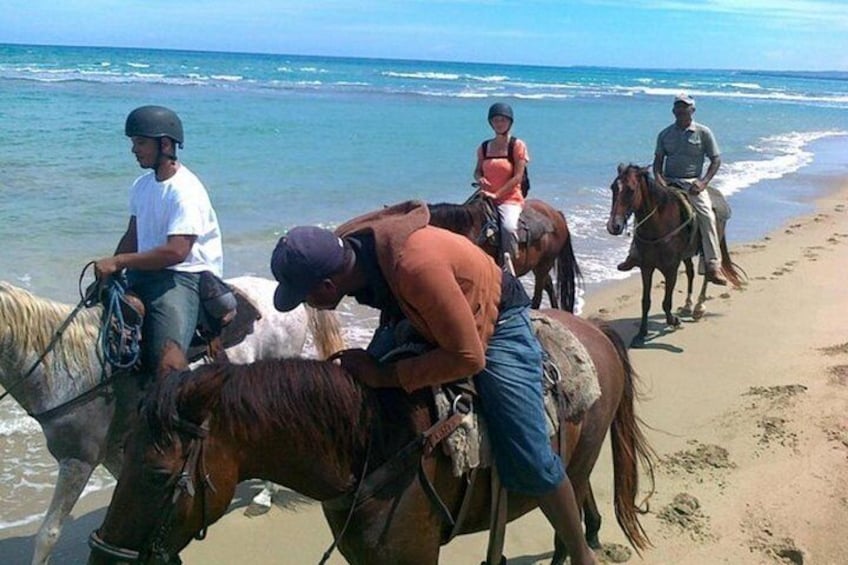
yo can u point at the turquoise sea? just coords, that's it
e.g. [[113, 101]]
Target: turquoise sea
[[281, 140]]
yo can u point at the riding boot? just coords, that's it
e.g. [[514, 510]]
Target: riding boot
[[560, 508], [633, 259]]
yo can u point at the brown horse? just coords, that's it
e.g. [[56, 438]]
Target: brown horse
[[550, 248], [664, 237], [309, 426]]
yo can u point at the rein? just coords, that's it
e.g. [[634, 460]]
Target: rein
[[85, 302], [413, 452], [120, 353], [663, 238]]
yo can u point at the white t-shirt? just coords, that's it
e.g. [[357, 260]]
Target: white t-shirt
[[178, 206]]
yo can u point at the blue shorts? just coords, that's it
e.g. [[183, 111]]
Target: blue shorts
[[510, 389]]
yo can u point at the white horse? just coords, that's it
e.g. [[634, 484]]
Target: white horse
[[76, 413]]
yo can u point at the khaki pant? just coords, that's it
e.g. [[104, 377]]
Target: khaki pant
[[704, 215]]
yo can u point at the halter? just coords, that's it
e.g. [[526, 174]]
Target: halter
[[180, 483], [662, 238]]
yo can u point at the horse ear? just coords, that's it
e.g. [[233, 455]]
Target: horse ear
[[621, 167], [172, 360]]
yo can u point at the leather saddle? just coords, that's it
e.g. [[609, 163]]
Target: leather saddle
[[212, 337]]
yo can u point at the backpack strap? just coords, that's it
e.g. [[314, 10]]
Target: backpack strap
[[510, 150]]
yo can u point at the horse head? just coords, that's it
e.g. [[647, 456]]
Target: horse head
[[627, 196], [169, 498]]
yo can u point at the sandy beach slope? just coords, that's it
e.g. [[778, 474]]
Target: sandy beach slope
[[747, 409]]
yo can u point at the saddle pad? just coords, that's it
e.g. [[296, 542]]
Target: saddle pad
[[534, 224], [571, 389]]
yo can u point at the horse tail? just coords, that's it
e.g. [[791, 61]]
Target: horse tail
[[568, 272], [629, 447], [734, 273], [326, 332]]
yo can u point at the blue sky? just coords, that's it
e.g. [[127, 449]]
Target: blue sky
[[738, 34]]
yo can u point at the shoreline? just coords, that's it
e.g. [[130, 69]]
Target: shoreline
[[749, 423]]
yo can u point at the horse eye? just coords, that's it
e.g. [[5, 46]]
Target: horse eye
[[157, 475]]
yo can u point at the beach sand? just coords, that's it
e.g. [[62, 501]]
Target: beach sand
[[746, 408]]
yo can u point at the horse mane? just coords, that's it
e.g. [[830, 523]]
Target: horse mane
[[309, 396], [662, 194], [28, 324], [450, 216]]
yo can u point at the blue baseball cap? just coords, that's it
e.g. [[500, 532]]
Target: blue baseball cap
[[305, 256]]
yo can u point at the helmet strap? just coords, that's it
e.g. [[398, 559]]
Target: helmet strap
[[163, 159]]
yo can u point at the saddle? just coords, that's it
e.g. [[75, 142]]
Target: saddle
[[214, 335], [571, 387], [532, 225]]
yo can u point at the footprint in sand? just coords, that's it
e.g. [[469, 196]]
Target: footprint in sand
[[838, 375], [838, 349], [764, 540], [613, 553], [774, 429], [684, 514], [702, 462], [839, 208]]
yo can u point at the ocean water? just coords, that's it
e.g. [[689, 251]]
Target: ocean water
[[282, 140]]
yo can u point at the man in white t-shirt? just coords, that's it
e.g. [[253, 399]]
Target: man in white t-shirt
[[172, 236]]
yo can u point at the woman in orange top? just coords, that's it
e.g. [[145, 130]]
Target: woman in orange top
[[500, 178]]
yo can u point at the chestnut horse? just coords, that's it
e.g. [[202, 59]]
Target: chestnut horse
[[663, 237], [477, 217], [308, 425]]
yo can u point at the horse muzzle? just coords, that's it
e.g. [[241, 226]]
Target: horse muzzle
[[616, 225], [104, 552]]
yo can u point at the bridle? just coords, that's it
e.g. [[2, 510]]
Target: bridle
[[631, 209], [179, 484]]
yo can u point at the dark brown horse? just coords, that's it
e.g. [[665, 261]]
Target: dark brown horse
[[309, 426], [664, 236], [548, 246]]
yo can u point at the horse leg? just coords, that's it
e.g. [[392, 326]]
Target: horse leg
[[591, 518], [261, 503], [686, 309], [700, 309], [551, 290], [540, 284], [592, 521], [670, 281], [73, 476], [647, 278]]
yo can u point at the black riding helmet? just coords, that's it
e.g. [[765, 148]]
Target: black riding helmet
[[156, 122], [500, 109]]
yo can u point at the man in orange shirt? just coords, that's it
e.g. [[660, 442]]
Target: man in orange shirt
[[474, 315]]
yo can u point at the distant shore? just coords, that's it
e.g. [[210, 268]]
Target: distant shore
[[746, 409]]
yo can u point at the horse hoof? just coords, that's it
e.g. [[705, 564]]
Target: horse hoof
[[253, 509], [637, 342], [698, 313]]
